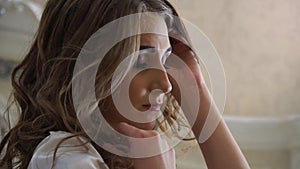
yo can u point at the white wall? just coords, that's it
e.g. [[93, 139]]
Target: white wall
[[258, 42]]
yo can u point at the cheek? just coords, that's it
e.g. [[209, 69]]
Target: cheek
[[138, 89]]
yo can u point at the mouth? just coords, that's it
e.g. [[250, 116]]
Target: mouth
[[152, 107]]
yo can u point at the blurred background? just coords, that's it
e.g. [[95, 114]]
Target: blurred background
[[259, 44]]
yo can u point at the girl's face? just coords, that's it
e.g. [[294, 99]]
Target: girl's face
[[148, 82]]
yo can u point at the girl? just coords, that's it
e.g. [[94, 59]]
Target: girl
[[49, 133]]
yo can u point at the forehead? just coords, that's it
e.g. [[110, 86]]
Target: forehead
[[160, 38], [153, 23]]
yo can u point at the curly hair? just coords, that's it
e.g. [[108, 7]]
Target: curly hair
[[41, 82]]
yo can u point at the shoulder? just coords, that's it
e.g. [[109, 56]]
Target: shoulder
[[73, 153]]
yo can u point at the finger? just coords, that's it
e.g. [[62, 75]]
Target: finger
[[184, 52], [132, 131], [145, 143]]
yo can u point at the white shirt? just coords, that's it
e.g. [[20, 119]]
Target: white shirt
[[71, 154]]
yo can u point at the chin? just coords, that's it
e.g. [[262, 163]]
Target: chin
[[146, 126]]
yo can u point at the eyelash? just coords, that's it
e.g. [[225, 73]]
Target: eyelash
[[140, 65], [144, 65]]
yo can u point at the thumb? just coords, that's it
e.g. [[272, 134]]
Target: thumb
[[144, 143]]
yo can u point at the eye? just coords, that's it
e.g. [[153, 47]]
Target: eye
[[141, 61], [140, 65]]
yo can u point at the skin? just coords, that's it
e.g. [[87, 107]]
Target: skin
[[147, 88], [157, 48], [220, 150]]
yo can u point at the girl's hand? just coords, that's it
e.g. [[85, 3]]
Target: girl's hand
[[188, 57], [220, 150], [164, 160], [183, 52]]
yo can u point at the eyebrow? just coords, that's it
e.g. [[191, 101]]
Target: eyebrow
[[143, 47]]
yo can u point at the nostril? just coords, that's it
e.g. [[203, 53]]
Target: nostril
[[156, 97]]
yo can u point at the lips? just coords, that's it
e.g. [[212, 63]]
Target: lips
[[152, 107]]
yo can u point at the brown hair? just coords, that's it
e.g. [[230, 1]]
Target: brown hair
[[41, 82]]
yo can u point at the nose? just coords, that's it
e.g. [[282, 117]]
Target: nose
[[161, 81]]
